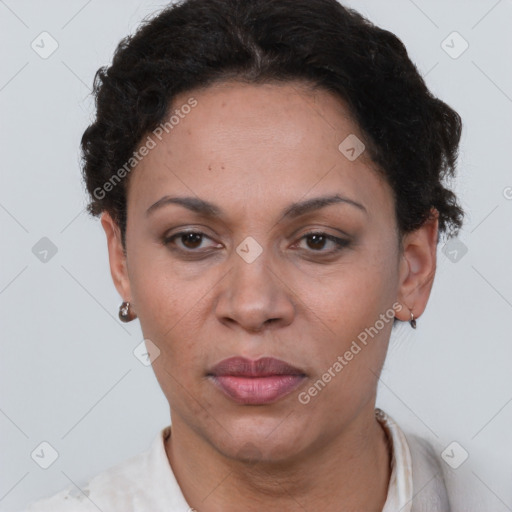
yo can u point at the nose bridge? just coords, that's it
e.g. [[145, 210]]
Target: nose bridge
[[254, 293], [252, 277]]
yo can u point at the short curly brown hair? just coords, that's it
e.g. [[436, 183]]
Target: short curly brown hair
[[411, 135]]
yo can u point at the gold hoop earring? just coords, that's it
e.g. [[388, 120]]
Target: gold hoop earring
[[125, 312]]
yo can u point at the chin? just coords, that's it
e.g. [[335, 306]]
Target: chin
[[272, 441]]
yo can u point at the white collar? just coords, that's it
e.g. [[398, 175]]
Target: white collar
[[400, 488]]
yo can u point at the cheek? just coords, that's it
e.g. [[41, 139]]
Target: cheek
[[158, 293], [345, 318], [352, 296], [170, 312]]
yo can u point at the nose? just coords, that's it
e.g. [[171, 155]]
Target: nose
[[255, 295]]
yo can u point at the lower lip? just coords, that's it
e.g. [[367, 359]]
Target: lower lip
[[257, 390]]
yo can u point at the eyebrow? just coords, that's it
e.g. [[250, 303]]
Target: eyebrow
[[207, 209]]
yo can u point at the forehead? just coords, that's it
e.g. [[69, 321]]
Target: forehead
[[244, 144]]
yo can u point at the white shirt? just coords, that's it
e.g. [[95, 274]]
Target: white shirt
[[146, 481], [400, 482]]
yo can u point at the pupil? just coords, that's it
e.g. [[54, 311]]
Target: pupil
[[317, 238], [189, 238]]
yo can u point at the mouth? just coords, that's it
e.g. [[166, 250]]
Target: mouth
[[259, 382]]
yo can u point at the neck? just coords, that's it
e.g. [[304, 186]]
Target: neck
[[350, 472]]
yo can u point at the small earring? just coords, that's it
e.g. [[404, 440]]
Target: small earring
[[125, 313], [412, 321]]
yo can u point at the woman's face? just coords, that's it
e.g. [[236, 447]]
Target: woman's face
[[250, 284]]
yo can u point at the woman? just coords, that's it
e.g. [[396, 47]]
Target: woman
[[269, 176]]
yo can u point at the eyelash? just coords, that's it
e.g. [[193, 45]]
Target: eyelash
[[340, 242]]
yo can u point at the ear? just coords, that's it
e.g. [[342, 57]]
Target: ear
[[418, 268], [117, 258]]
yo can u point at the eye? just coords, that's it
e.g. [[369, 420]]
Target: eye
[[316, 240], [190, 240]]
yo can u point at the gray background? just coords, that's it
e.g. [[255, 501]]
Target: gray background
[[67, 369]]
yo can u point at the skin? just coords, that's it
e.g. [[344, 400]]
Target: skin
[[252, 150]]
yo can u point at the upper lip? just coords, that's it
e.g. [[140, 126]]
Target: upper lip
[[263, 367]]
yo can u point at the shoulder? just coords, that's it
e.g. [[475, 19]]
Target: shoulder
[[428, 475], [120, 487], [114, 486], [434, 474], [419, 475]]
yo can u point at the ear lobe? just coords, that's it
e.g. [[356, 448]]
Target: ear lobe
[[418, 267], [117, 258]]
